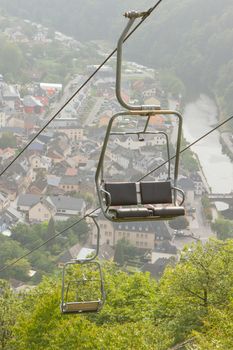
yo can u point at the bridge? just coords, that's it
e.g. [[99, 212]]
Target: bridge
[[222, 197]]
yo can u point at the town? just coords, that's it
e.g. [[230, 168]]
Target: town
[[54, 178]]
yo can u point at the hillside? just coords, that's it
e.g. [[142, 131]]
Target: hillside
[[192, 39], [191, 303]]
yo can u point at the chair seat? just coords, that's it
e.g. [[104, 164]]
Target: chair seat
[[151, 212], [168, 211], [83, 306]]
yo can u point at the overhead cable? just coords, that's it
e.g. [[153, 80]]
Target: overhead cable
[[146, 14]]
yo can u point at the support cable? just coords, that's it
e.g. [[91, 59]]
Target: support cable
[[94, 210]]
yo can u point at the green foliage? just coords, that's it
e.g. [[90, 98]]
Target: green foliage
[[43, 260], [127, 312], [188, 161], [8, 139], [223, 228], [8, 304], [202, 280], [217, 332], [11, 59], [171, 83], [192, 298], [179, 223], [207, 206], [124, 251], [11, 250]]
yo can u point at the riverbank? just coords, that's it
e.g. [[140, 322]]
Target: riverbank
[[199, 118], [227, 144], [202, 174]]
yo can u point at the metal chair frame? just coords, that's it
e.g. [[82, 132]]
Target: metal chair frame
[[138, 111], [72, 307]]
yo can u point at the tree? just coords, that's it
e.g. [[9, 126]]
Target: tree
[[179, 223], [202, 280], [11, 250], [217, 332], [139, 313], [189, 162], [126, 321], [171, 83], [11, 59], [223, 228], [8, 306], [51, 231], [8, 140], [124, 251], [78, 232], [207, 206]]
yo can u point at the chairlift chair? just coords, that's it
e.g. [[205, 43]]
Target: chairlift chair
[[141, 200], [83, 284]]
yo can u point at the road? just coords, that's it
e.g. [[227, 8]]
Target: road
[[94, 111]]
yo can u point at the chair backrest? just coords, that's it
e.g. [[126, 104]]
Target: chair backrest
[[122, 193], [156, 192], [125, 193]]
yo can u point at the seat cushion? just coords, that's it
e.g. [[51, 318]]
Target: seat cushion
[[169, 211], [133, 213]]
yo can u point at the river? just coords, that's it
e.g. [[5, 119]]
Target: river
[[200, 117]]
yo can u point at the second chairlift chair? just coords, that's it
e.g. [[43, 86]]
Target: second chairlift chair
[[141, 200], [82, 283]]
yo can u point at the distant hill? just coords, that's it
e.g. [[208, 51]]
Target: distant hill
[[190, 38]]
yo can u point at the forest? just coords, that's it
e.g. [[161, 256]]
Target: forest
[[191, 304]]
